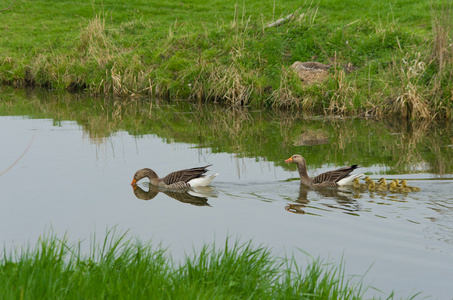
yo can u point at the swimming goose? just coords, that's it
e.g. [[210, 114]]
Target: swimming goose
[[359, 186], [177, 180], [333, 178], [395, 189], [371, 185], [378, 188], [383, 182], [412, 188], [368, 181], [397, 183]]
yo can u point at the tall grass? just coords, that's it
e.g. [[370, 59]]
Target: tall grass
[[122, 268], [225, 52]]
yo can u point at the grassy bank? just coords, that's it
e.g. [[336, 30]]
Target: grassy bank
[[121, 268], [390, 57]]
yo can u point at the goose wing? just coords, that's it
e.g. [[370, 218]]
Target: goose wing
[[334, 176], [185, 175]]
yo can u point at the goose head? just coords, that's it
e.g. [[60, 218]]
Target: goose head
[[296, 159], [140, 174]]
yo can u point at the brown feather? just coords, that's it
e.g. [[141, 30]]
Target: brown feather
[[327, 179], [334, 175], [185, 175]]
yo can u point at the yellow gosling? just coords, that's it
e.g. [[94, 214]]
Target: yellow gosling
[[371, 185], [383, 181], [397, 183], [412, 188], [359, 186], [404, 189], [398, 189], [378, 188], [392, 187]]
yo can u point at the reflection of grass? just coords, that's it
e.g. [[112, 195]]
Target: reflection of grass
[[401, 146], [131, 270]]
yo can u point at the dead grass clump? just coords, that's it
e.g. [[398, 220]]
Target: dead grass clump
[[123, 76], [227, 83], [287, 95], [95, 44], [341, 100], [283, 96], [411, 101]]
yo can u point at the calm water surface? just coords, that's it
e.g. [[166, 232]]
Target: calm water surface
[[74, 182]]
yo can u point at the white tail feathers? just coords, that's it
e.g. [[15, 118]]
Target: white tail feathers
[[349, 180], [203, 180]]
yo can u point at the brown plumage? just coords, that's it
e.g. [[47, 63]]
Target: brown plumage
[[176, 180], [313, 65], [333, 178]]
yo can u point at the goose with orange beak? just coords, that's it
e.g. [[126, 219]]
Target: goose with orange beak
[[335, 178]]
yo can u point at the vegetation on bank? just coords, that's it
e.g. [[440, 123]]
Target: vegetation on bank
[[399, 147], [121, 268], [388, 57]]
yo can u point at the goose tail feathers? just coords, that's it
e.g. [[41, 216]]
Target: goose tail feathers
[[202, 180], [349, 180]]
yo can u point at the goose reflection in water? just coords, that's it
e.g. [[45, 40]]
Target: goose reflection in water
[[344, 198], [197, 197]]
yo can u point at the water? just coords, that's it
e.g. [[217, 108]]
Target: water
[[73, 176]]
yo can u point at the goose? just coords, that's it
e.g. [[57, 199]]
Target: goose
[[368, 181], [397, 183], [335, 178], [395, 189], [367, 178], [314, 66], [378, 188], [359, 186], [412, 188], [371, 185], [177, 180], [383, 182]]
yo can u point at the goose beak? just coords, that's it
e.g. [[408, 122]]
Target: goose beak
[[134, 182], [289, 160]]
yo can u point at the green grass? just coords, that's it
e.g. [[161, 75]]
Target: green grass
[[122, 268], [222, 51]]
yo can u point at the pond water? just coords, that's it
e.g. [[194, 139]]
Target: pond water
[[66, 164]]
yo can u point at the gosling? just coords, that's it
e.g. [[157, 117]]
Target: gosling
[[412, 188]]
